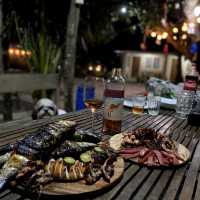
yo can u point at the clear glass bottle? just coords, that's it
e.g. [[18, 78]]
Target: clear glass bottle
[[113, 102], [191, 79]]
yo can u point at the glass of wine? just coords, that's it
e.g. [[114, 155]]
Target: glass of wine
[[94, 94]]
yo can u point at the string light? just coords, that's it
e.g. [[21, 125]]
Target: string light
[[197, 11], [198, 20], [175, 37], [159, 37], [184, 28], [28, 53], [175, 30], [98, 68], [164, 35], [90, 68], [184, 37], [11, 51], [153, 34], [17, 52], [23, 52]]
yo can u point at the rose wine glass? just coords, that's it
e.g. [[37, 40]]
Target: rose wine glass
[[94, 94]]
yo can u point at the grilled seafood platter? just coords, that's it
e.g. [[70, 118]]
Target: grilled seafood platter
[[57, 152], [148, 147]]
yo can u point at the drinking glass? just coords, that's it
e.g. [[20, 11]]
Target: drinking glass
[[138, 104], [184, 103], [153, 105], [94, 94]]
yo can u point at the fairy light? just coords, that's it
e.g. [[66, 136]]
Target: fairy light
[[175, 37], [159, 37], [184, 28], [164, 35], [197, 11], [198, 20], [98, 68], [184, 37], [23, 53], [90, 68], [17, 52], [153, 34], [28, 53], [175, 30], [11, 51]]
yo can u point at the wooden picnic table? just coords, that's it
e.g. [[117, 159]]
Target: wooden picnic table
[[138, 182]]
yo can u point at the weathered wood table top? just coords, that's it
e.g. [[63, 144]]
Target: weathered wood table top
[[138, 182]]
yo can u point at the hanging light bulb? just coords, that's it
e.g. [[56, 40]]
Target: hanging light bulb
[[153, 34], [175, 30], [175, 37], [164, 35]]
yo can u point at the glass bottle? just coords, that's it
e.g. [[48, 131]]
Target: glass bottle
[[113, 102], [191, 79]]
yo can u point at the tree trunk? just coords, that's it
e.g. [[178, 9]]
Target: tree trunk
[[1, 28], [70, 53], [7, 102]]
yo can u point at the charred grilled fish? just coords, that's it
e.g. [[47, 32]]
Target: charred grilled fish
[[39, 144], [70, 148], [10, 168]]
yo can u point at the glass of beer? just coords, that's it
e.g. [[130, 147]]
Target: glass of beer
[[138, 104]]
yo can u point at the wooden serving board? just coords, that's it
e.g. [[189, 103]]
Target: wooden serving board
[[116, 140], [79, 187]]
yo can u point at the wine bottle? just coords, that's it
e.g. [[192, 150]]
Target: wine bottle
[[113, 102]]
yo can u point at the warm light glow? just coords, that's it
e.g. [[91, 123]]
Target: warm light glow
[[123, 10], [164, 35], [23, 52], [159, 37], [184, 27], [98, 68], [90, 68], [198, 20], [28, 53], [197, 11], [153, 34], [17, 52], [184, 37], [191, 25], [175, 37], [11, 51], [175, 30]]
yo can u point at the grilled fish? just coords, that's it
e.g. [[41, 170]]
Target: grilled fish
[[71, 148], [39, 144], [86, 136], [11, 167]]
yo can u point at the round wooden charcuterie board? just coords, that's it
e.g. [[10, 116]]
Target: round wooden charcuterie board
[[80, 188]]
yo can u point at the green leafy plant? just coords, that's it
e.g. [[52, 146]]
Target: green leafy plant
[[45, 53]]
